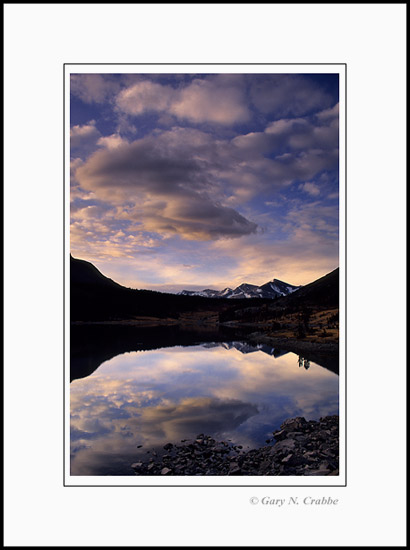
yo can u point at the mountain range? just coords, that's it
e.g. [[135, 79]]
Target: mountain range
[[272, 289], [95, 297]]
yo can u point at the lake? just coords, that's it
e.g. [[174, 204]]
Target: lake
[[140, 400]]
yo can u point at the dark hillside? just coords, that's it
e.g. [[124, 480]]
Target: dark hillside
[[85, 273], [320, 295], [323, 292], [95, 297]]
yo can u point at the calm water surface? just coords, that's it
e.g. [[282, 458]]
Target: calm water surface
[[229, 391]]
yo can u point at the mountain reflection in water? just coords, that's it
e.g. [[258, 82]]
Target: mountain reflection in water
[[138, 401], [91, 345]]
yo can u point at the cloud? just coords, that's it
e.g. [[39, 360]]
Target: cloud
[[167, 395], [111, 142], [291, 149], [310, 188], [288, 95], [299, 259], [211, 414], [305, 247], [301, 134], [84, 136], [216, 99], [223, 99], [145, 96], [167, 184], [188, 183], [229, 206], [93, 88], [96, 430], [331, 115], [297, 246], [319, 131]]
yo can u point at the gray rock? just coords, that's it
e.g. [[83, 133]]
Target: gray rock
[[280, 434], [294, 424], [301, 448], [294, 435], [286, 459], [285, 445]]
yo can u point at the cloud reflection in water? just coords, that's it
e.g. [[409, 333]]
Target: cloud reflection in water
[[150, 398]]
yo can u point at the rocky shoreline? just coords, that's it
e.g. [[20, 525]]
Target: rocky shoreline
[[299, 448]]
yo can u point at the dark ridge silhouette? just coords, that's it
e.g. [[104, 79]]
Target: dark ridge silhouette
[[320, 294], [323, 292], [95, 297], [85, 273]]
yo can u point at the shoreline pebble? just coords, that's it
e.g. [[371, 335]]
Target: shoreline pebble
[[300, 447]]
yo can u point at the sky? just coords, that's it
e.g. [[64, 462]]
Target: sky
[[193, 181]]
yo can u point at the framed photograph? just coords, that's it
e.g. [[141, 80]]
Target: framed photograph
[[205, 274]]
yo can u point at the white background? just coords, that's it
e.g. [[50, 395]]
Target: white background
[[39, 38]]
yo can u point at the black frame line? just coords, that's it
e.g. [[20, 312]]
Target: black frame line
[[204, 64], [65, 282]]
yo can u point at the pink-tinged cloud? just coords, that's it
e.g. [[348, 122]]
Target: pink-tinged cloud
[[145, 96], [84, 136], [111, 142], [93, 88], [318, 132], [310, 188], [165, 189], [211, 100]]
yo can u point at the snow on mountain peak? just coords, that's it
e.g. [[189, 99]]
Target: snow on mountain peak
[[272, 290]]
